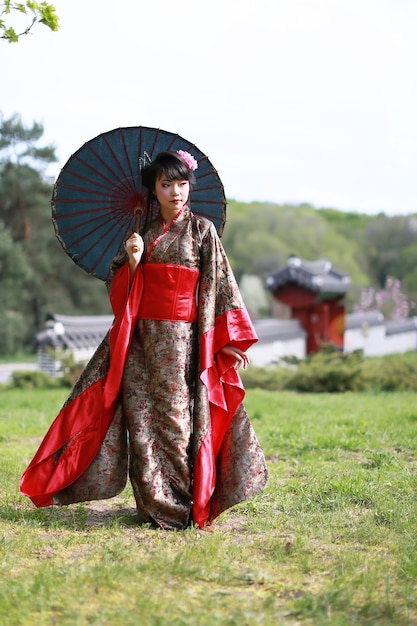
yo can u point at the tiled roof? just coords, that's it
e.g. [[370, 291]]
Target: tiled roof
[[273, 329], [395, 327], [74, 332], [360, 320], [318, 276]]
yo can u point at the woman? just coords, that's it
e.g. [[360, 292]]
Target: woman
[[167, 373]]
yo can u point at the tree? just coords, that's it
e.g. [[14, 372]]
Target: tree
[[22, 187], [254, 295], [18, 144], [15, 276], [385, 239], [259, 238], [390, 301], [31, 12], [56, 285]]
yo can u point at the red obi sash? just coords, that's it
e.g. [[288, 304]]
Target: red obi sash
[[169, 293]]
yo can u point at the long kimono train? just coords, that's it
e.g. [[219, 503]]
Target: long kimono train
[[158, 400]]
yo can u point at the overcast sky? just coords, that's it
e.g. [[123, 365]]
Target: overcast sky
[[293, 100]]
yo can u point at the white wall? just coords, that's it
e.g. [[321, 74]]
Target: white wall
[[370, 339], [373, 340], [401, 342], [263, 354]]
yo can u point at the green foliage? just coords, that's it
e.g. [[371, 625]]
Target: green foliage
[[330, 371], [271, 378], [393, 372], [15, 277], [33, 379], [260, 237], [13, 332], [391, 242], [32, 13], [346, 222], [326, 371], [35, 275]]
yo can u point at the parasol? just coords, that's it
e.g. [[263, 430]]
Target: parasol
[[96, 196]]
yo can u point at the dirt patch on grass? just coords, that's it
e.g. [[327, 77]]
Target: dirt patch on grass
[[104, 512], [118, 510]]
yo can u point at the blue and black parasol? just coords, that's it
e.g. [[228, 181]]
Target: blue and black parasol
[[98, 194]]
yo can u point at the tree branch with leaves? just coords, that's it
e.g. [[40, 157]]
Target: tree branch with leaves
[[31, 12]]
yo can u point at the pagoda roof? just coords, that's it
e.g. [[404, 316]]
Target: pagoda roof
[[317, 276], [74, 331]]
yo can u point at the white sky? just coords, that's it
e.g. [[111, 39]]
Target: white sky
[[293, 100]]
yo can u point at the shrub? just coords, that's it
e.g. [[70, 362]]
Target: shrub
[[329, 371], [273, 378], [33, 379], [394, 372], [332, 371]]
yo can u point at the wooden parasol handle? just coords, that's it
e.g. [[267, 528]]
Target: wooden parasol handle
[[138, 215]]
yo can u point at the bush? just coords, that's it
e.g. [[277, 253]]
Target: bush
[[332, 371], [329, 371], [273, 378], [33, 379], [394, 372]]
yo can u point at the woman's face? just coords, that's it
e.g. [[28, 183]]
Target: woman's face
[[171, 194]]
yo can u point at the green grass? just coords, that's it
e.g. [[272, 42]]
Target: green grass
[[331, 541], [19, 357]]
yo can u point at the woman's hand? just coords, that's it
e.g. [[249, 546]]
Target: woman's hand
[[134, 247], [241, 358]]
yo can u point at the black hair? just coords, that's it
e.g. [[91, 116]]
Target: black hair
[[173, 167]]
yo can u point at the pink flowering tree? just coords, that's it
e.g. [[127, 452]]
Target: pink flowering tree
[[390, 301]]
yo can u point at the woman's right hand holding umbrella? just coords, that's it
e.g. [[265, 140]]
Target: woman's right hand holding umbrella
[[134, 248]]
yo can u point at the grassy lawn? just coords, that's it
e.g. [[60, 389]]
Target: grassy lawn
[[331, 541]]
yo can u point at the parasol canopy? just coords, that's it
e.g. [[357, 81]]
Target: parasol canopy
[[96, 196]]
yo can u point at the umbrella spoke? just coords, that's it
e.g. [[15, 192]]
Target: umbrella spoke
[[120, 235], [116, 218], [127, 181], [112, 194], [112, 190], [95, 235], [115, 180], [85, 164], [151, 153], [171, 143], [126, 153]]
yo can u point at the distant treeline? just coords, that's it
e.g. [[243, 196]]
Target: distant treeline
[[37, 277]]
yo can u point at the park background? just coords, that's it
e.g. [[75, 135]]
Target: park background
[[307, 109]]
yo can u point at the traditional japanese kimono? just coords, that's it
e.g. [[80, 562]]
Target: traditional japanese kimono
[[158, 400]]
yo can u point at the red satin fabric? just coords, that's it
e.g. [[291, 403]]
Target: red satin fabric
[[77, 433], [169, 293], [225, 392]]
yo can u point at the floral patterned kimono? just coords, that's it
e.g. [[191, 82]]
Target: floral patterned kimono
[[158, 400]]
